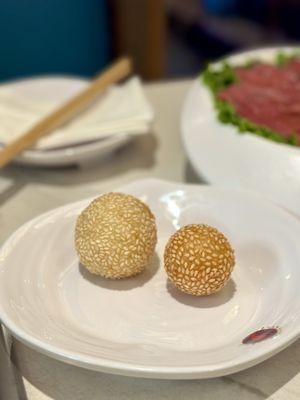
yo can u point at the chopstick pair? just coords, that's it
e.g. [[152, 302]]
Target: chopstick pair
[[117, 71]]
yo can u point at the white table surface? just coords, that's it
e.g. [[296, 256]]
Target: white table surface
[[25, 193]]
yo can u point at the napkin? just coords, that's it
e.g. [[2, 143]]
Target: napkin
[[120, 109]]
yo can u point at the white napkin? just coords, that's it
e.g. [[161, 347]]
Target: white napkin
[[121, 109]]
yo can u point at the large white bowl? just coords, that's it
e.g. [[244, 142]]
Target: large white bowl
[[223, 156], [144, 326]]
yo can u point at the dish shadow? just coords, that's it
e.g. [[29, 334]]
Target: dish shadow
[[214, 300], [191, 176], [137, 154], [10, 191], [126, 283]]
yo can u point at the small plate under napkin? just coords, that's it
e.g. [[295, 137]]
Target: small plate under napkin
[[120, 112]]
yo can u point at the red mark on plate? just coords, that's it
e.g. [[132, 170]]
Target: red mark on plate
[[262, 334]]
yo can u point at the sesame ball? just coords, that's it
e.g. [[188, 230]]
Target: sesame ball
[[115, 236], [199, 259]]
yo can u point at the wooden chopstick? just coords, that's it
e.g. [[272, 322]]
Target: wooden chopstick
[[117, 71]]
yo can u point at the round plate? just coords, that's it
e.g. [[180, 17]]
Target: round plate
[[223, 156], [60, 89], [144, 326]]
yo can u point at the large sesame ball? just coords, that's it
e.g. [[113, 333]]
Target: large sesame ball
[[199, 259], [115, 236]]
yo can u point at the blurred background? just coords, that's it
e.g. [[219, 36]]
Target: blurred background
[[166, 38]]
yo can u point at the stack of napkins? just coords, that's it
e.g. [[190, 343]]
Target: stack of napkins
[[121, 109]]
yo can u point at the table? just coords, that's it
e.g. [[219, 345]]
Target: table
[[25, 193]]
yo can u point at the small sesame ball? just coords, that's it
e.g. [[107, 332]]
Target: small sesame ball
[[115, 236], [199, 259]]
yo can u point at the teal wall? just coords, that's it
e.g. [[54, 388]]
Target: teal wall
[[52, 37]]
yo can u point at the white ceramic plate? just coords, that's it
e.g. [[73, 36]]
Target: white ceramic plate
[[222, 156], [144, 326], [59, 89]]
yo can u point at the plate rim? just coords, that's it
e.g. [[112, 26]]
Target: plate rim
[[148, 371]]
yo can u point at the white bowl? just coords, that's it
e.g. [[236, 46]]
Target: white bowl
[[223, 156], [144, 326]]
